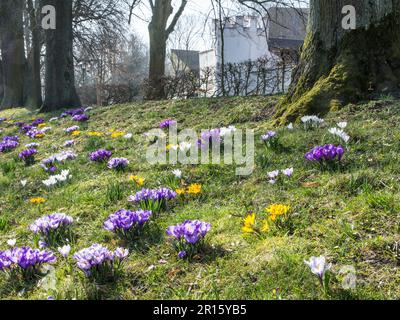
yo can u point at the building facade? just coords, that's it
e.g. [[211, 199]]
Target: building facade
[[257, 56]]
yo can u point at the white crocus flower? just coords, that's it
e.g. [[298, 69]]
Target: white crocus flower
[[290, 126], [177, 173], [24, 182], [227, 131], [313, 118], [340, 133], [273, 174], [128, 136], [65, 250], [342, 124], [53, 180], [11, 242], [185, 146], [318, 266]]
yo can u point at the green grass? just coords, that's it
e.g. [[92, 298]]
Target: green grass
[[350, 215]]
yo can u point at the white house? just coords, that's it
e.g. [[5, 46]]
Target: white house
[[250, 48]]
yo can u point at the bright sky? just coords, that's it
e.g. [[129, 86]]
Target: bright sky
[[200, 8], [197, 8]]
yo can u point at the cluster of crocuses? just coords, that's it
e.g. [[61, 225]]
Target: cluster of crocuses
[[25, 260], [71, 129], [9, 143], [274, 176], [118, 163], [55, 179], [325, 154], [49, 163], [270, 139], [127, 224], [188, 236], [310, 122], [54, 228], [154, 200], [78, 115], [28, 156], [215, 135], [339, 131], [167, 123], [99, 263], [34, 133], [100, 155], [37, 121]]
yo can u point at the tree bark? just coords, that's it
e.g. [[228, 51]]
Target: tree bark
[[12, 50], [158, 34], [339, 66], [60, 89], [158, 46], [33, 84]]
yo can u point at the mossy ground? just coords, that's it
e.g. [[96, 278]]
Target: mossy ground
[[350, 215]]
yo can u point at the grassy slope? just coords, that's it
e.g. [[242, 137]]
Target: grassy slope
[[350, 216]]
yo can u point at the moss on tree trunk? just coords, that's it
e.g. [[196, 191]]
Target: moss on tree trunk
[[359, 64]]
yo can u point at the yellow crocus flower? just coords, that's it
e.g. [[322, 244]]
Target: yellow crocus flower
[[37, 200], [139, 180], [194, 188]]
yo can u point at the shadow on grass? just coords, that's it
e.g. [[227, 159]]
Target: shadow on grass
[[209, 254], [16, 284], [113, 288], [151, 236]]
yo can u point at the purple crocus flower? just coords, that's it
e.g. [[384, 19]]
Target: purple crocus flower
[[28, 155], [167, 123], [46, 224], [8, 144], [118, 163], [100, 155], [182, 254], [97, 260], [33, 133], [74, 112], [153, 194], [71, 129], [325, 153], [26, 128], [125, 220], [270, 134], [189, 231], [69, 143], [25, 258], [37, 121], [80, 117]]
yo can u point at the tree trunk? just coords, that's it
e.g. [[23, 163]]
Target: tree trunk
[[339, 66], [12, 50], [1, 80], [60, 89], [33, 84], [158, 48]]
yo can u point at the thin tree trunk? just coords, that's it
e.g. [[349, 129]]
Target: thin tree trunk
[[12, 49], [60, 89], [339, 66], [33, 82], [158, 48]]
